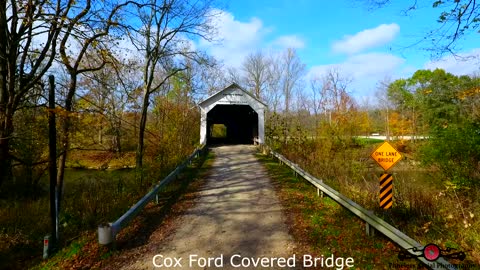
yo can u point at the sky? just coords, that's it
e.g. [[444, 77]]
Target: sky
[[367, 45]]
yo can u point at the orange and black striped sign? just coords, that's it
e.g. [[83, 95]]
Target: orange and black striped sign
[[386, 191]]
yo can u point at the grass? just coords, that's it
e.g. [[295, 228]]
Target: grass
[[91, 159], [368, 141], [91, 198]]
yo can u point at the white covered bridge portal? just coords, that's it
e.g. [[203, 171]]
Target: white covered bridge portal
[[240, 114]]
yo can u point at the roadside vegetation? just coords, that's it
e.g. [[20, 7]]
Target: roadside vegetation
[[321, 226], [436, 185], [82, 251]]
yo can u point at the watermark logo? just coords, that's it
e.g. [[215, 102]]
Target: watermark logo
[[431, 252]]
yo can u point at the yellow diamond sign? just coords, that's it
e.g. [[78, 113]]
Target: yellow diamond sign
[[386, 155]]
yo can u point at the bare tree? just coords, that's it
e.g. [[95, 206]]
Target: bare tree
[[212, 78], [234, 75], [273, 94], [384, 103], [255, 66], [336, 87], [319, 95], [292, 72], [302, 102], [330, 94]]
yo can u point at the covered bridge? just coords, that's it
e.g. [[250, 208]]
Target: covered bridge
[[239, 113]]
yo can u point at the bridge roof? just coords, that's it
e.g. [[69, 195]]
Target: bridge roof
[[218, 95]]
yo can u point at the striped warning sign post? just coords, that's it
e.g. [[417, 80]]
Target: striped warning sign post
[[386, 191], [386, 156]]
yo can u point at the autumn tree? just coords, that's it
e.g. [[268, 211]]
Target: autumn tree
[[407, 104], [29, 32], [446, 108], [172, 118], [367, 116], [89, 34], [105, 96], [161, 39]]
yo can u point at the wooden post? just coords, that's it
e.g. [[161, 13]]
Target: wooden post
[[52, 162], [369, 229]]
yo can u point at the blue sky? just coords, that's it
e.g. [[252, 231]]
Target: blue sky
[[366, 45]]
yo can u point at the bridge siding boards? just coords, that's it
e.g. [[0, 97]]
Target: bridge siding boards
[[232, 95]]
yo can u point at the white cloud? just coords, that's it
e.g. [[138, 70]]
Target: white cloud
[[289, 41], [365, 70], [361, 66], [463, 64], [366, 39], [235, 39]]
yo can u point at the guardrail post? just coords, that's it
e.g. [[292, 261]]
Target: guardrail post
[[105, 234], [156, 198], [319, 192], [369, 229]]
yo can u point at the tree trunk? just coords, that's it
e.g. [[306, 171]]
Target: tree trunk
[[6, 127], [117, 144], [52, 145], [6, 130], [141, 135], [5, 161], [387, 122], [65, 140]]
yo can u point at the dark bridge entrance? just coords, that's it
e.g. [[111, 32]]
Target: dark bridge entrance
[[240, 122]]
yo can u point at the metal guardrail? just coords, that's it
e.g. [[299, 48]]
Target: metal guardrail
[[379, 224], [114, 228]]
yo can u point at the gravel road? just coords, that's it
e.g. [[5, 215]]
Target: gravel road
[[236, 223]]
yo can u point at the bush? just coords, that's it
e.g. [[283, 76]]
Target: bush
[[455, 149]]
